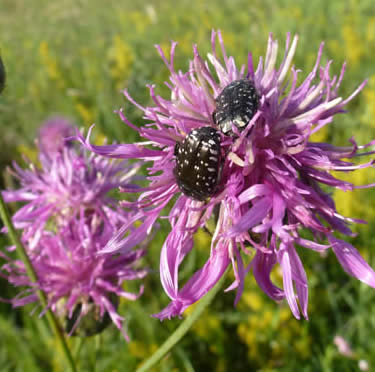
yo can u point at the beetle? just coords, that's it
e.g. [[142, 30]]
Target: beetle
[[198, 163], [237, 103]]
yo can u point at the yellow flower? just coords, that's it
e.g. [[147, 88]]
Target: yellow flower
[[138, 349], [141, 350], [120, 57], [252, 300], [85, 113], [369, 96], [202, 240], [50, 64], [370, 30], [321, 135], [353, 44], [139, 20], [350, 203]]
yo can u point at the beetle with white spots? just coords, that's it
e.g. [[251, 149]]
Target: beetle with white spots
[[236, 104], [197, 172]]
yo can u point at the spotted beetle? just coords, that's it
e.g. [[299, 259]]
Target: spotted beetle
[[237, 103], [198, 163]]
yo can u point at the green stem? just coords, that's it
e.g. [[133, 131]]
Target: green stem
[[52, 320], [177, 335], [78, 346]]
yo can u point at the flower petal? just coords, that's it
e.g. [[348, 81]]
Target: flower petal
[[252, 217], [198, 285], [300, 280], [284, 260], [262, 267], [352, 262]]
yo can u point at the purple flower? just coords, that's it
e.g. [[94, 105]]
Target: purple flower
[[66, 220], [271, 173], [73, 276], [68, 183]]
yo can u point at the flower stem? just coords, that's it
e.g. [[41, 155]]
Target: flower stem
[[52, 320], [177, 335]]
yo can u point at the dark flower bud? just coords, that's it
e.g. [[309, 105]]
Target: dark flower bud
[[92, 322]]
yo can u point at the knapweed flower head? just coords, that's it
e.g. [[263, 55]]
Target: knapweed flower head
[[69, 182], [67, 218], [234, 143], [77, 281]]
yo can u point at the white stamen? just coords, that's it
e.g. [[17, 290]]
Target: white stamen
[[288, 60], [219, 68], [311, 96], [270, 61], [323, 107], [236, 159]]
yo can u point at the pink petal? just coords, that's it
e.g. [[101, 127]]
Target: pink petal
[[352, 262]]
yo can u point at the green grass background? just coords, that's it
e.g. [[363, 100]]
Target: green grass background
[[72, 58]]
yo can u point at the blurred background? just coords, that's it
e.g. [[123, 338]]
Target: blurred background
[[73, 58]]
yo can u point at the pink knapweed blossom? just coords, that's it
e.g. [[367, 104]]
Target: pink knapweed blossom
[[71, 273], [67, 217], [68, 181], [270, 174]]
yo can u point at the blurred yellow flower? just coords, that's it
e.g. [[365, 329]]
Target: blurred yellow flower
[[139, 20], [85, 113], [369, 96], [141, 350], [50, 64], [120, 57], [350, 203], [321, 135], [353, 44], [202, 241], [263, 324], [370, 30]]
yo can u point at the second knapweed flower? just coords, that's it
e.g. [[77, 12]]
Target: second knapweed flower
[[68, 182], [234, 143], [67, 219], [82, 287]]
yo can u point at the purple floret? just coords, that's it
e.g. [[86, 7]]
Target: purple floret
[[71, 273], [67, 183], [272, 174], [68, 219]]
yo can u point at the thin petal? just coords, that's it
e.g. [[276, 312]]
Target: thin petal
[[300, 280], [352, 262], [252, 217], [122, 151], [284, 260], [262, 267], [198, 285]]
